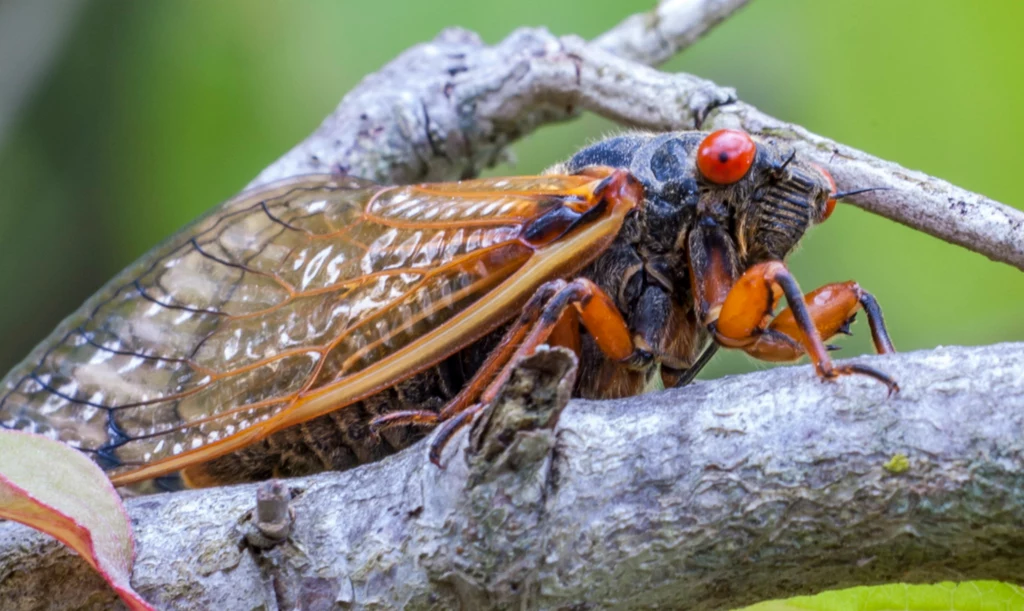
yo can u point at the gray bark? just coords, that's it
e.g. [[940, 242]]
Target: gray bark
[[707, 497]]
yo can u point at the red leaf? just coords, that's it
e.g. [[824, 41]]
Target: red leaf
[[59, 491]]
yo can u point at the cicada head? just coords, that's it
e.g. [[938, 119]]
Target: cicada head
[[761, 193], [783, 196]]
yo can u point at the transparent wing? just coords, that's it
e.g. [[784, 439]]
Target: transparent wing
[[266, 299]]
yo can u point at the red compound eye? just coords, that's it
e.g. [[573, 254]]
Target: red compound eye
[[830, 205], [725, 156]]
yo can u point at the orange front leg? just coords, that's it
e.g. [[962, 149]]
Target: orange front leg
[[745, 320], [832, 308]]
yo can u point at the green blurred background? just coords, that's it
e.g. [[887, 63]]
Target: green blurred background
[[120, 121]]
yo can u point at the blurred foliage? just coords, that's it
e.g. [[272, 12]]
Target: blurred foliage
[[153, 112], [945, 596]]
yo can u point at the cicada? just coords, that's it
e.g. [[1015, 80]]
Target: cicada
[[325, 321]]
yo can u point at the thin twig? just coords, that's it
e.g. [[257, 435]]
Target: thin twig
[[656, 36]]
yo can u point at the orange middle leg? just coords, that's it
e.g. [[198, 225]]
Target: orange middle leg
[[546, 317], [495, 361]]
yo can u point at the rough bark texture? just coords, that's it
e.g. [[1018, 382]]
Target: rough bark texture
[[718, 494]]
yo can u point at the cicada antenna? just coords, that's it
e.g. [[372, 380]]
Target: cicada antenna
[[843, 194], [789, 160]]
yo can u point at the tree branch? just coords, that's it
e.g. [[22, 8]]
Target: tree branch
[[448, 109], [718, 494]]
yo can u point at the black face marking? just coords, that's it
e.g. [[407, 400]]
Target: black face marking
[[668, 162]]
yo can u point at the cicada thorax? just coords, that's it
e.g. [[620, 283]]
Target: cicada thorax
[[715, 205]]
